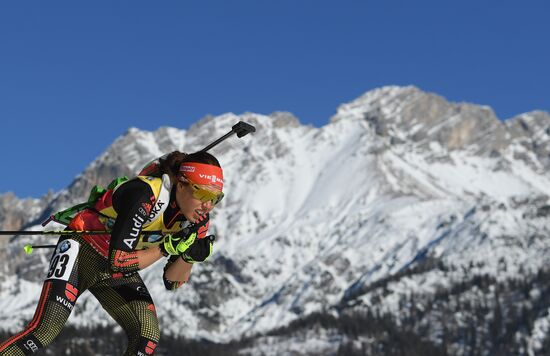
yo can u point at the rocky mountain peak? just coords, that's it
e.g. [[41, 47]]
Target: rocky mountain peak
[[284, 119], [408, 114], [529, 138], [531, 124]]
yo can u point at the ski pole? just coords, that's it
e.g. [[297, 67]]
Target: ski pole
[[28, 248], [241, 128], [69, 232]]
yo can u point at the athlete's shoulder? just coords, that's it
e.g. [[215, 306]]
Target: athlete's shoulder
[[132, 190], [136, 183]]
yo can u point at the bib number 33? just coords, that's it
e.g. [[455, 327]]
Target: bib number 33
[[63, 260]]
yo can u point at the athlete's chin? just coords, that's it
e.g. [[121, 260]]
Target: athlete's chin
[[192, 217]]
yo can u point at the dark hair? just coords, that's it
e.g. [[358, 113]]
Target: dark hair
[[170, 164]]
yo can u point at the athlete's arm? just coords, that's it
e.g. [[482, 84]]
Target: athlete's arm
[[148, 256], [176, 273], [132, 201]]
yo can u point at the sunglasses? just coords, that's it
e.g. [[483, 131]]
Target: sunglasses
[[203, 194]]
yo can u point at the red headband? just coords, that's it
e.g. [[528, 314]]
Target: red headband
[[203, 174]]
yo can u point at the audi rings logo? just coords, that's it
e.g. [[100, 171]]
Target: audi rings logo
[[30, 345], [142, 211]]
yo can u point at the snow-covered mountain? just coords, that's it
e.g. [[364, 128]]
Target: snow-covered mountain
[[405, 209]]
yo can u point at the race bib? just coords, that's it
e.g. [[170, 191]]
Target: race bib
[[63, 260]]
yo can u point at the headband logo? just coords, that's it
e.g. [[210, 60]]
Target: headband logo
[[213, 178], [190, 169]]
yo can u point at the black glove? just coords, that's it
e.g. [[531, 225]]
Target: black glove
[[199, 251], [175, 244], [178, 242]]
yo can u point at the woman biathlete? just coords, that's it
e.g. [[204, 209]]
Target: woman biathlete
[[173, 196]]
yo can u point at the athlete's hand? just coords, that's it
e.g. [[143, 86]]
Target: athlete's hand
[[199, 250], [179, 242]]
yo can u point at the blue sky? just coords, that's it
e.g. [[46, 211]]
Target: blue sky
[[75, 75]]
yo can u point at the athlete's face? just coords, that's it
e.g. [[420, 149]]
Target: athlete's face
[[191, 207]]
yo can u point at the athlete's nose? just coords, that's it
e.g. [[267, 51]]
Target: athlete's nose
[[207, 205]]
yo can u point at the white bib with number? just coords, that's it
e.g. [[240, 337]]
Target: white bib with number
[[63, 260]]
